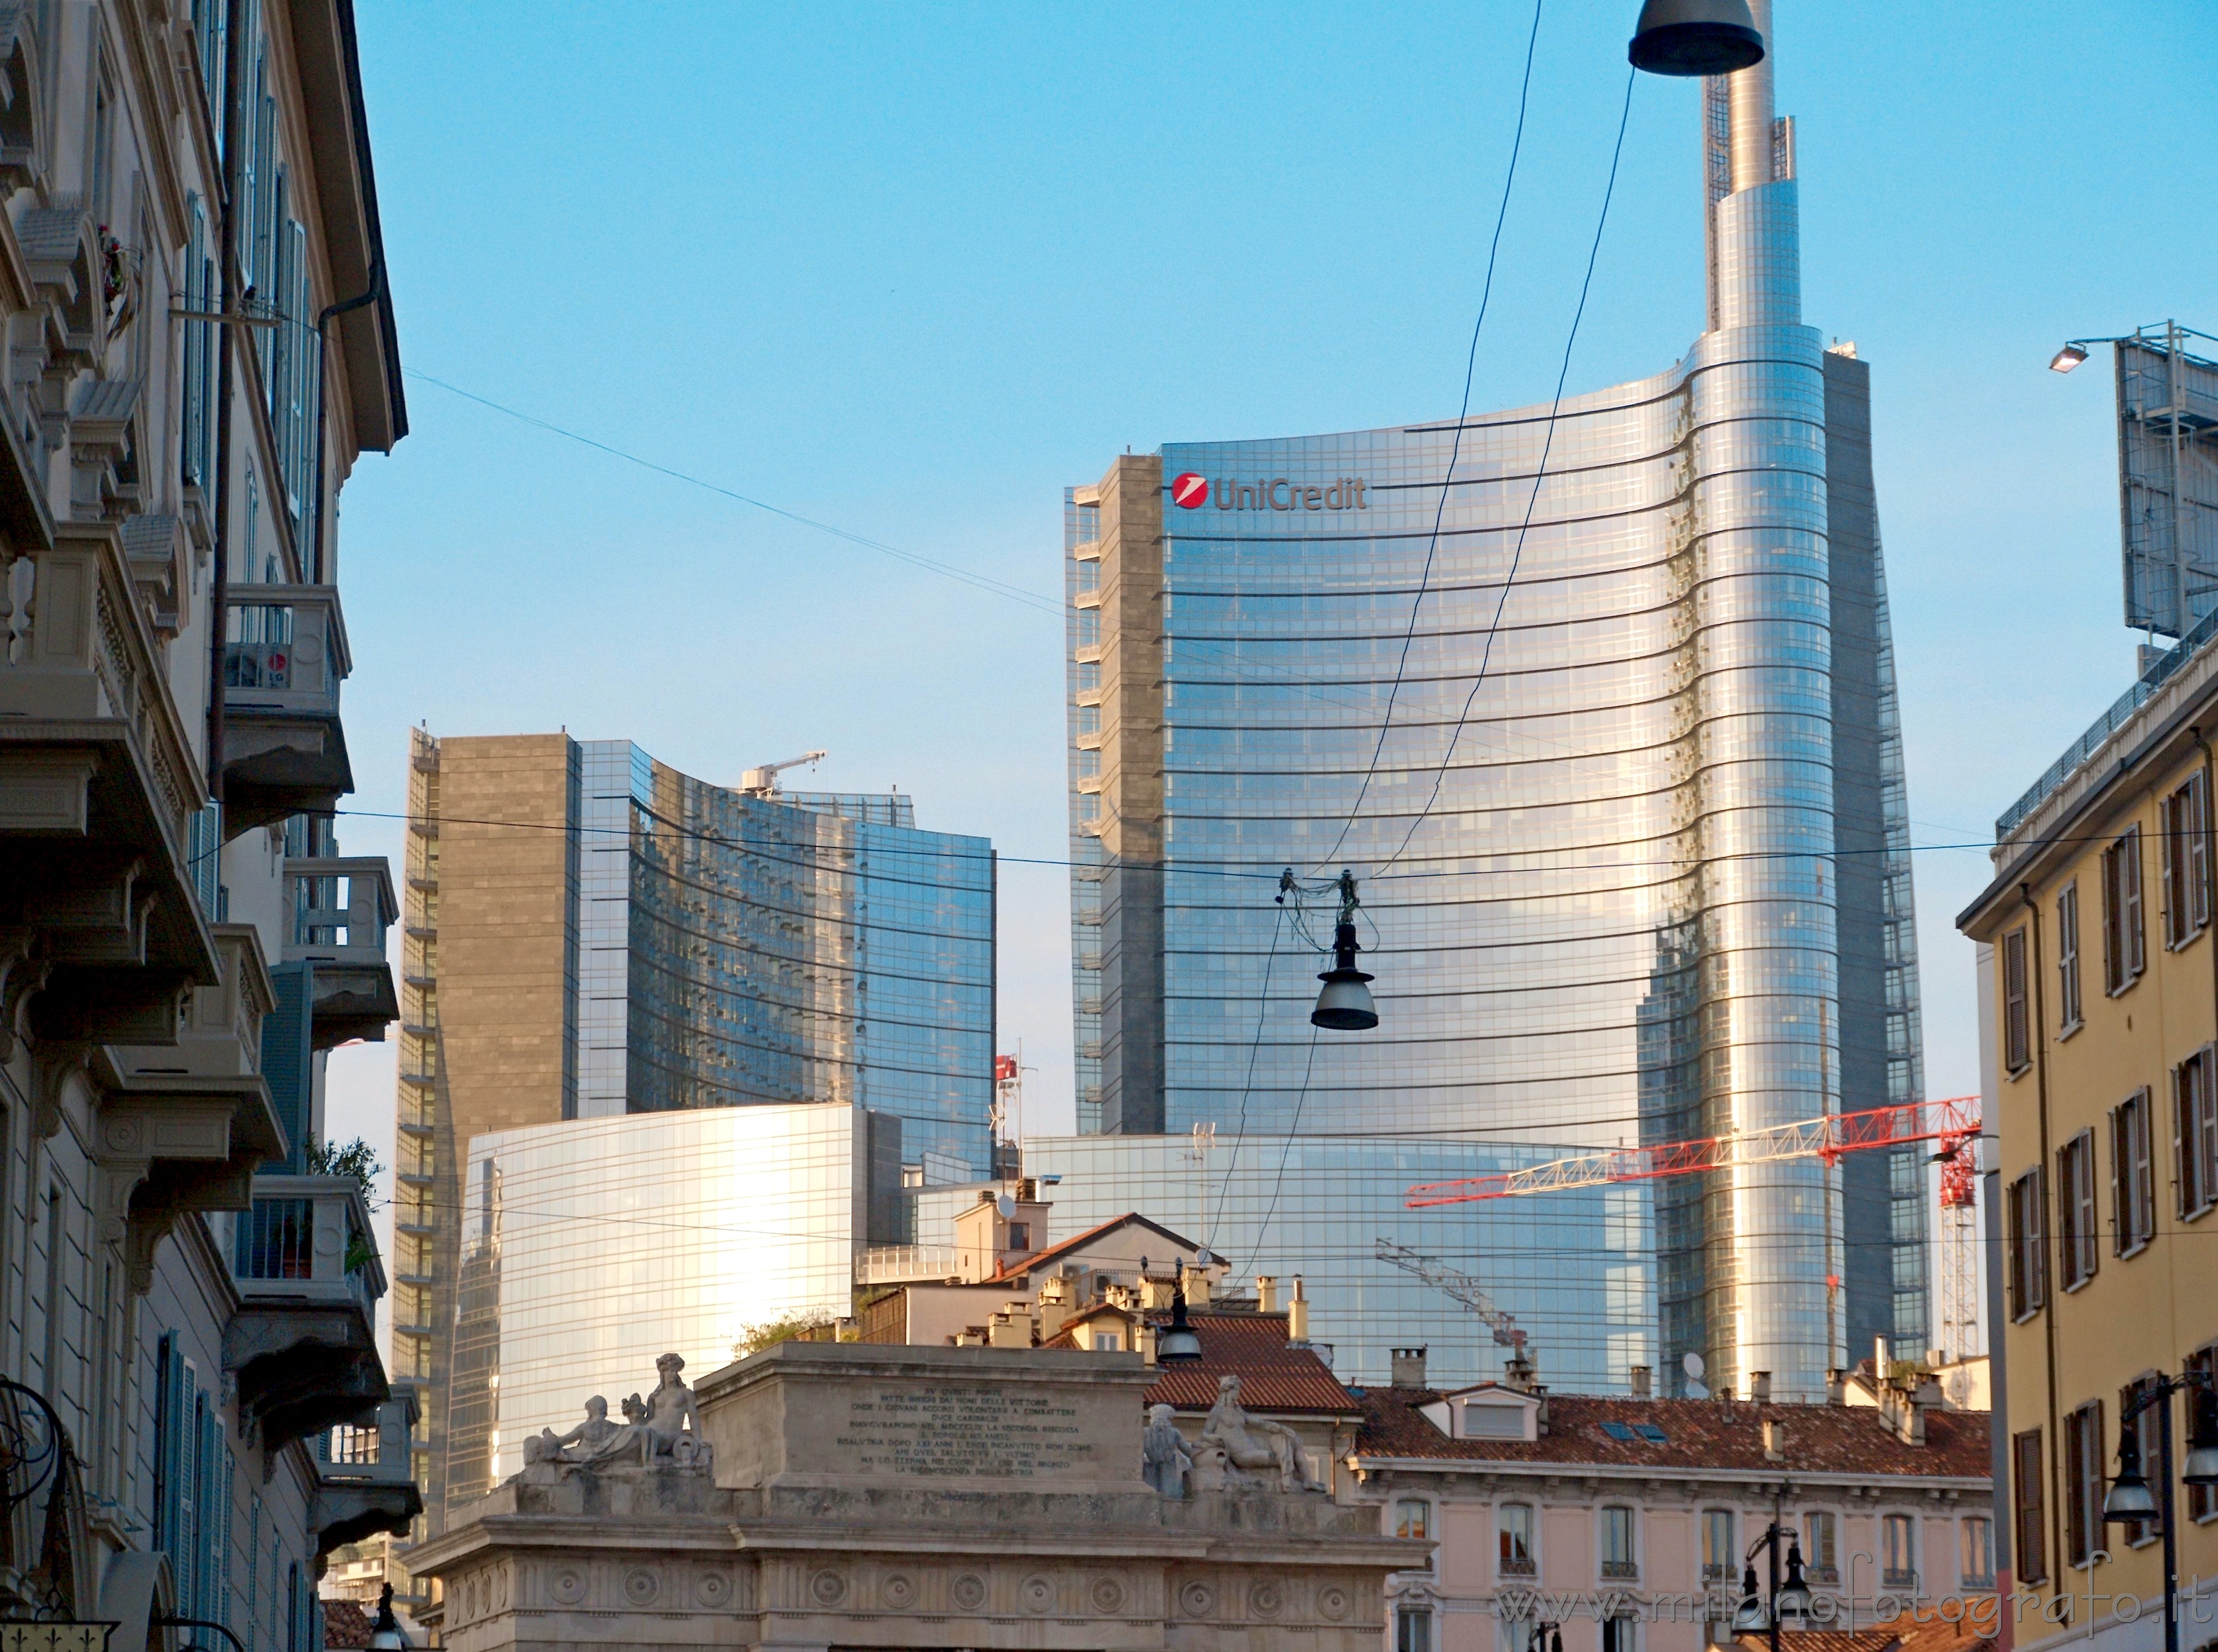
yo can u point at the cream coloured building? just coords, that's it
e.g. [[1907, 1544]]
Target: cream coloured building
[[2100, 1008]]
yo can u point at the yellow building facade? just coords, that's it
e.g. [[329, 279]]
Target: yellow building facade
[[2099, 1034]]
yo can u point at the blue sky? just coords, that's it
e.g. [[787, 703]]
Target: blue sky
[[913, 270]]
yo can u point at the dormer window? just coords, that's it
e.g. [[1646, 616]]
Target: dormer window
[[1485, 1421]]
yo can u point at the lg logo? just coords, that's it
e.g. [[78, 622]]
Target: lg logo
[[1190, 491]]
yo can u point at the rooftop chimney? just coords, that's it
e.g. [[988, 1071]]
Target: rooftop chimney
[[1642, 1377], [1267, 1293], [1297, 1317], [1517, 1372], [1837, 1385], [1409, 1368], [1759, 1386], [1774, 1440]]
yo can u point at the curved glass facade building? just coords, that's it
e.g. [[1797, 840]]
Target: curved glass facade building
[[594, 937], [1619, 775]]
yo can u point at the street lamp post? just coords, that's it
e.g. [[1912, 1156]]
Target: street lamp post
[[2129, 1500], [1785, 1599]]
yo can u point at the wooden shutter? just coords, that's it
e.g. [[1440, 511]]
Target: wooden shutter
[[2182, 1115], [2031, 1550], [2016, 1039], [2142, 1131], [2129, 851], [2114, 950]]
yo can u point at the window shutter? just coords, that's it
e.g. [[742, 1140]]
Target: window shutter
[[2144, 1143], [2136, 942], [2121, 1155], [2167, 820], [2197, 857], [2037, 1251], [2032, 1545], [288, 1058], [2183, 1105]]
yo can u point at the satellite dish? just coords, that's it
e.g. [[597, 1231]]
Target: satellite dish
[[1203, 1257], [1692, 1364], [1007, 1207]]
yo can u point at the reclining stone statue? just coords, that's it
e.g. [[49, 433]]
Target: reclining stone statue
[[1239, 1450], [664, 1427]]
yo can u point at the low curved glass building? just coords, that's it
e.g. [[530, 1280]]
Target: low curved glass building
[[1614, 755]]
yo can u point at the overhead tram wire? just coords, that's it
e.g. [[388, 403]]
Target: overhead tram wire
[[1455, 447], [1533, 499], [1240, 869]]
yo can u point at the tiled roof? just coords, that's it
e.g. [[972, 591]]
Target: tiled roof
[[1973, 1632], [1273, 1377], [1040, 1260], [347, 1625], [1697, 1434]]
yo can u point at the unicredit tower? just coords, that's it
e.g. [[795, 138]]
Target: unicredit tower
[[1636, 855]]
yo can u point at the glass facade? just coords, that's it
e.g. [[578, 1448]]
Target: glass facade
[[591, 1247], [1614, 754], [737, 949], [1574, 1272]]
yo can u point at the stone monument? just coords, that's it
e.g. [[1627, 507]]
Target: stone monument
[[818, 1496]]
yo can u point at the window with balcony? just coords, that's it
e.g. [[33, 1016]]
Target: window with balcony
[[1518, 1556], [2194, 1128], [1897, 1564], [2027, 1244], [2083, 1484], [2017, 1024], [2133, 1175], [2186, 865], [1821, 1550], [1089, 720], [1617, 1554], [1618, 1635], [1721, 1553], [2067, 956], [2124, 947], [1975, 1565], [2076, 1215]]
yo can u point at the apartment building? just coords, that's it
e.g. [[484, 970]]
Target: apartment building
[[1625, 1523], [200, 345], [2099, 1009]]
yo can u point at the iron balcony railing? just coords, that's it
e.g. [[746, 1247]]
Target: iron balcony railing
[[2108, 724], [307, 1237]]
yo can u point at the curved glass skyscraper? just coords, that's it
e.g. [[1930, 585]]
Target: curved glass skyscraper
[[1619, 775]]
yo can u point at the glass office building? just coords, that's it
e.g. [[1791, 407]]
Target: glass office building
[[591, 1248], [1574, 1273], [736, 949], [594, 938], [1614, 754]]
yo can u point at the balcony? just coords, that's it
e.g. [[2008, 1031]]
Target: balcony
[[284, 653], [341, 906], [365, 1482], [98, 793], [896, 1265], [302, 1347]]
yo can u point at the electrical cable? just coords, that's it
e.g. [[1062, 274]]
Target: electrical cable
[[1262, 1009], [1532, 500], [1293, 1129], [1455, 447]]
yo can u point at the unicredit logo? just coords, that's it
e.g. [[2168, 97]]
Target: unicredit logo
[[1279, 493]]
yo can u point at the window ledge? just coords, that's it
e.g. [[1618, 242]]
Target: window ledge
[[2021, 1318], [2066, 1031], [2079, 1285], [2133, 1249]]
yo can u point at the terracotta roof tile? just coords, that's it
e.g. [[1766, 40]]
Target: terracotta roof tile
[[1821, 1438], [347, 1625], [1273, 1377], [1038, 1259], [1973, 1632]]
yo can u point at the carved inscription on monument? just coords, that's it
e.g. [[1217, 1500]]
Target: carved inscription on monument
[[953, 1429]]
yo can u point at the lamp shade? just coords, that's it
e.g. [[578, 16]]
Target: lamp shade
[[2129, 1499], [1176, 1344], [1792, 1602], [2068, 358], [1695, 37], [1749, 1617], [1344, 1002], [385, 1635]]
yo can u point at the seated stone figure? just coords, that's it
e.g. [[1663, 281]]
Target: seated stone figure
[[594, 1440], [1165, 1462], [1253, 1445]]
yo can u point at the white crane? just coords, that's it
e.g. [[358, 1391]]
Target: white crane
[[763, 782], [1460, 1285]]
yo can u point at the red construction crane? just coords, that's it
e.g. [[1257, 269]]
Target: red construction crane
[[1952, 1122]]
